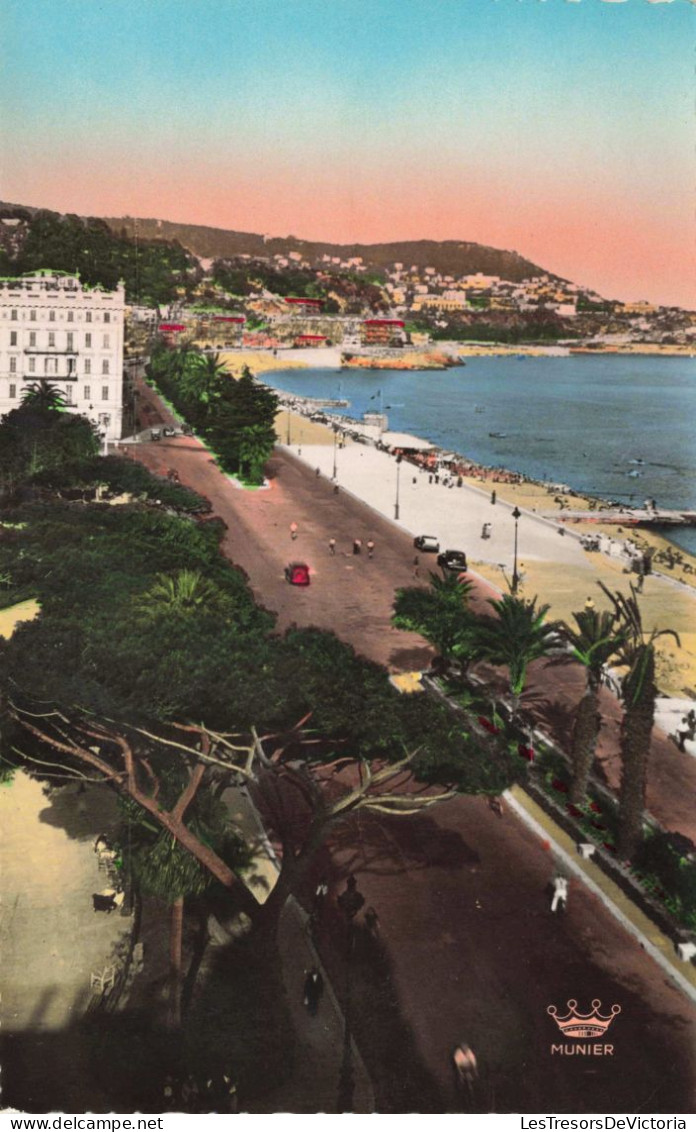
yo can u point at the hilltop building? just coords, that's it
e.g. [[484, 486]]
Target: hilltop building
[[54, 328]]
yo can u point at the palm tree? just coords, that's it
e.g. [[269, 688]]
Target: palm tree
[[638, 694], [185, 593], [516, 637], [43, 396], [594, 642], [201, 377], [256, 442], [440, 614]]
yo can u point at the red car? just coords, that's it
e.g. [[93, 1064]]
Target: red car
[[297, 574]]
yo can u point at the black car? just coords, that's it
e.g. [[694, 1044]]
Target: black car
[[452, 561]]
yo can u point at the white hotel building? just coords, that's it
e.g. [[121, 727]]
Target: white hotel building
[[54, 328]]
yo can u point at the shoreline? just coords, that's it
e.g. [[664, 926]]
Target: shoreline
[[547, 498]]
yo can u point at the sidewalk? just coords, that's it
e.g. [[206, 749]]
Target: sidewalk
[[564, 848]]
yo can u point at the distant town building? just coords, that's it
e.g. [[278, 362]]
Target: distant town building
[[383, 332], [54, 328]]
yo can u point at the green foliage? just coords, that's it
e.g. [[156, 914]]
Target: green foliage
[[37, 437], [153, 270], [516, 637], [440, 614]]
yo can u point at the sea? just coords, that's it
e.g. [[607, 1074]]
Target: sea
[[616, 427]]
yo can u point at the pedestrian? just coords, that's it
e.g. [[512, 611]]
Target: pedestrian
[[370, 548], [320, 894], [493, 497], [496, 804], [293, 531], [332, 546], [559, 899], [371, 920], [415, 567], [318, 472], [313, 990], [589, 605], [465, 1066], [357, 545]]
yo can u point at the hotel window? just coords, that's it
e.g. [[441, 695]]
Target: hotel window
[[51, 337], [105, 365], [70, 340], [13, 338], [71, 316], [13, 391], [32, 316], [88, 365], [13, 365], [67, 396], [107, 317], [32, 365], [32, 337], [106, 341], [88, 340], [13, 315], [87, 393], [105, 392], [88, 316], [51, 316]]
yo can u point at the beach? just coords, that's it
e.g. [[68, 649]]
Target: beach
[[551, 562]]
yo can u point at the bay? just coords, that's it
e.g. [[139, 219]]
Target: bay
[[617, 427]]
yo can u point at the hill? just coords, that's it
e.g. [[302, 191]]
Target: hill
[[452, 257]]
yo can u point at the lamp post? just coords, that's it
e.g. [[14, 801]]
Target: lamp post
[[398, 471], [335, 448], [515, 576]]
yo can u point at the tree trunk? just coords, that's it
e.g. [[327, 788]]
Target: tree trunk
[[176, 932], [635, 751], [585, 732]]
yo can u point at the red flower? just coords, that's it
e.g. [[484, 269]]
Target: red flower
[[526, 752], [608, 846], [595, 808], [490, 727], [573, 810], [598, 825], [560, 786]]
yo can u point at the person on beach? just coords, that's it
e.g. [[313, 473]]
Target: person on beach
[[357, 545], [589, 605], [332, 546], [559, 900], [293, 531], [370, 548], [493, 496]]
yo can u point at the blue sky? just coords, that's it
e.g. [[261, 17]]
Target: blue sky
[[534, 123]]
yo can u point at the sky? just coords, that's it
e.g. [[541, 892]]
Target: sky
[[561, 129]]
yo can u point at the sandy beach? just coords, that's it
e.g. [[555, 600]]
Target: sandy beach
[[551, 562]]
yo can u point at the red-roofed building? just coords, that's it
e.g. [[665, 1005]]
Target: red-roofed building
[[305, 306], [311, 340], [383, 332]]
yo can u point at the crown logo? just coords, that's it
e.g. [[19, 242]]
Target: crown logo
[[577, 1025]]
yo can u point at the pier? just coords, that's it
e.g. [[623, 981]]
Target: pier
[[625, 516]]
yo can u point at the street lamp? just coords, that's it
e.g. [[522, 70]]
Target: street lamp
[[398, 471], [515, 576], [335, 447]]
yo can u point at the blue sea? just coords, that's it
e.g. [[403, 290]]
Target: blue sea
[[616, 427]]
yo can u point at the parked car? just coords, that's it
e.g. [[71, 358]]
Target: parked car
[[427, 543], [452, 561], [155, 434], [297, 574]]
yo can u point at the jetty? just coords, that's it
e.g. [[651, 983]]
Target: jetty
[[625, 516]]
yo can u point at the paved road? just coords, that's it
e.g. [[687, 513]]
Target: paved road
[[470, 949]]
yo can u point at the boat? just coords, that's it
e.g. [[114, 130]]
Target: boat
[[498, 435]]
